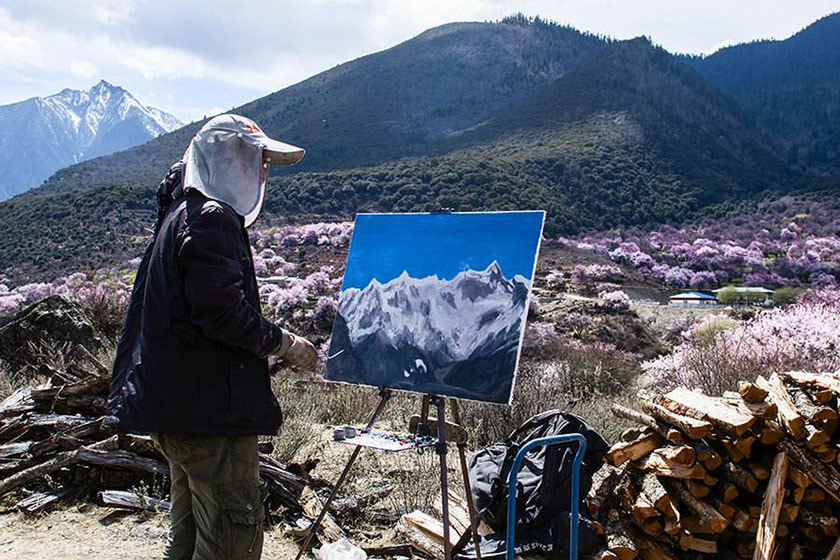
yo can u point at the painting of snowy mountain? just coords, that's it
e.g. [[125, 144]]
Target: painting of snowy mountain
[[436, 303]]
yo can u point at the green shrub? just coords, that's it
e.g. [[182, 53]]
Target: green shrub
[[786, 295]]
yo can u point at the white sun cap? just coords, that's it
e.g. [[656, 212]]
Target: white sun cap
[[227, 160]]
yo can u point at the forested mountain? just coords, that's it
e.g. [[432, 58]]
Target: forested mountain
[[43, 134], [684, 125], [519, 114], [791, 87], [395, 103]]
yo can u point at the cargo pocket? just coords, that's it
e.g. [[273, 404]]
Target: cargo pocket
[[242, 519]]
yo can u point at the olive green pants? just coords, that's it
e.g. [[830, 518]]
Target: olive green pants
[[217, 510]]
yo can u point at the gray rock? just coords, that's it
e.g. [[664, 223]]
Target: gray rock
[[147, 530], [55, 321]]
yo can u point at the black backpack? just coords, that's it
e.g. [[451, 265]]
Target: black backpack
[[170, 188], [544, 480]]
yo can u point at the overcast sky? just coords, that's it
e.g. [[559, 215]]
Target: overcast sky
[[197, 57]]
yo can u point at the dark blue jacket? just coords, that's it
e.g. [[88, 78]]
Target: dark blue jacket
[[192, 356]]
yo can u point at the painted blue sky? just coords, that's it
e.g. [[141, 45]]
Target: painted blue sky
[[444, 244]]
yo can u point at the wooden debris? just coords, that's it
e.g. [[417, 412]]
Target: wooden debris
[[705, 512], [757, 474], [425, 532], [834, 553], [694, 428], [633, 450], [311, 504], [620, 541], [824, 475], [54, 443], [740, 476], [130, 500], [121, 459], [37, 471], [459, 515], [40, 501], [770, 509], [713, 409], [17, 403], [671, 434], [792, 421], [604, 482], [751, 393], [661, 463]]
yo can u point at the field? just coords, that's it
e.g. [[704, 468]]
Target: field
[[588, 345]]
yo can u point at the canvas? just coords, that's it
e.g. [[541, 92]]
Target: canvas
[[436, 303]]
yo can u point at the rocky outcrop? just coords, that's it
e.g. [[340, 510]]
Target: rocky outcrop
[[52, 322]]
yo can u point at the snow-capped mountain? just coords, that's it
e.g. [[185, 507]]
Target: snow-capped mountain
[[430, 334], [40, 135]]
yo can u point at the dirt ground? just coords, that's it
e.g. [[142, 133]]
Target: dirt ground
[[94, 533], [90, 532]]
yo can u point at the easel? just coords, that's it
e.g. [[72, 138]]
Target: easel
[[422, 428]]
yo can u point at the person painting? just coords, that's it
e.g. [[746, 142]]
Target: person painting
[[192, 363]]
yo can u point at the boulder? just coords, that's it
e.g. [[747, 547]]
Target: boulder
[[54, 321]]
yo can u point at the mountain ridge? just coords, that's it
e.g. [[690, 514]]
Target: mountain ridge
[[789, 86], [599, 133], [383, 106], [40, 135]]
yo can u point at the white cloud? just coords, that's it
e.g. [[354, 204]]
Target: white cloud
[[83, 69], [159, 62], [17, 49], [187, 55], [19, 52], [110, 12]]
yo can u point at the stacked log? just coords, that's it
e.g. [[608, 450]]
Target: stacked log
[[56, 443], [753, 474]]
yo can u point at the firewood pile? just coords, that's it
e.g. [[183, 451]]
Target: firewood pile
[[56, 443], [753, 474]]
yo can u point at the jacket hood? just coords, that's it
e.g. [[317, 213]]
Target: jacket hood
[[227, 160]]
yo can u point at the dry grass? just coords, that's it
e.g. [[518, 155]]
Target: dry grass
[[53, 360], [312, 410]]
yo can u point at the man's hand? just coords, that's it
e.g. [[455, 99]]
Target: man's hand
[[301, 354]]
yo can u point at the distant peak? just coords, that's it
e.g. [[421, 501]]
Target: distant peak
[[494, 268], [103, 85]]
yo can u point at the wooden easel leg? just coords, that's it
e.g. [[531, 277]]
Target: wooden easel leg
[[385, 394], [465, 471], [314, 527], [444, 488]]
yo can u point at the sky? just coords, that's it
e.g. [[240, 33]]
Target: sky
[[201, 57], [385, 245]]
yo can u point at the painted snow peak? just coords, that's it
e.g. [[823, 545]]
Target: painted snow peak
[[440, 326]]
